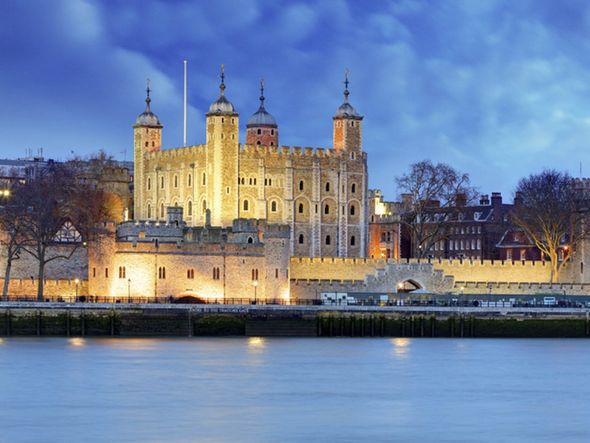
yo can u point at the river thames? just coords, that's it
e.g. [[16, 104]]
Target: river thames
[[292, 390]]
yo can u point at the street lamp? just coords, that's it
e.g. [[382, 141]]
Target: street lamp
[[128, 290], [255, 283], [77, 281]]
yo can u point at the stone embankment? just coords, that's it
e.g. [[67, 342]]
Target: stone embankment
[[156, 320]]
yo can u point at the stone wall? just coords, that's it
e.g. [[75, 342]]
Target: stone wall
[[27, 288]]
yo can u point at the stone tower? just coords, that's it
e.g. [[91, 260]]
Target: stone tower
[[262, 128], [220, 176], [347, 125], [147, 137]]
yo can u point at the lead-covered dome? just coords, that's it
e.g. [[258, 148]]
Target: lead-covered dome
[[222, 106], [345, 110], [261, 117], [147, 117]]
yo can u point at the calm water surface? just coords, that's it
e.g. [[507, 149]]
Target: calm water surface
[[292, 390]]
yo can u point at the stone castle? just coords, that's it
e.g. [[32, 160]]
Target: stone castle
[[319, 193]]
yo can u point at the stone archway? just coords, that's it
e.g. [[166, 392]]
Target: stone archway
[[408, 285]]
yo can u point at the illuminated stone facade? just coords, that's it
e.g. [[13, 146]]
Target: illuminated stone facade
[[247, 260], [319, 193]]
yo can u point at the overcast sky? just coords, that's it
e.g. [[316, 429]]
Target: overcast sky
[[498, 89]]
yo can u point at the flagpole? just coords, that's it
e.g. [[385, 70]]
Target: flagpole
[[184, 131]]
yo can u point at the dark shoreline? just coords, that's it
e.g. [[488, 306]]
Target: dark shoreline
[[154, 320]]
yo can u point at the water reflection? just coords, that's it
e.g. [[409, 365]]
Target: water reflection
[[401, 347], [256, 344], [77, 342]]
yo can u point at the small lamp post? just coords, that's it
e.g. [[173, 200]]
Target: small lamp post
[[255, 283], [400, 286], [128, 290]]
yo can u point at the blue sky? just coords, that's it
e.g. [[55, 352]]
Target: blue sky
[[496, 88]]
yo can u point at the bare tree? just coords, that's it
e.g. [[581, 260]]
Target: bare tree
[[11, 235], [432, 193], [51, 199], [551, 210]]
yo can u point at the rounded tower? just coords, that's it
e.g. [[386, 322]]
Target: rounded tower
[[147, 137], [347, 124], [220, 177], [261, 128]]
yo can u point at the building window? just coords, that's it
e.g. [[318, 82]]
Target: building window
[[301, 239], [190, 208], [352, 240], [273, 206], [326, 209], [272, 132], [327, 186], [250, 240], [106, 272], [162, 273], [162, 210], [353, 188], [523, 254], [216, 273], [204, 206], [204, 179], [149, 211], [190, 274], [149, 184], [162, 182], [352, 210], [121, 271], [508, 254], [255, 274], [246, 205], [176, 181], [478, 244], [328, 240], [94, 272], [301, 208], [189, 179], [259, 131], [301, 185], [147, 144]]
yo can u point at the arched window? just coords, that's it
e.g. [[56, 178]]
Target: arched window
[[149, 184], [328, 239], [352, 210], [352, 240], [301, 239], [162, 210], [204, 179], [259, 131], [273, 206], [190, 208], [216, 273], [161, 272], [272, 132], [189, 179], [301, 185], [250, 240], [301, 208], [326, 209], [258, 142], [190, 274], [327, 186], [149, 211], [353, 188], [246, 205], [121, 271]]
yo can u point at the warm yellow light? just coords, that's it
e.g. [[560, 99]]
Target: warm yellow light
[[256, 342], [77, 281], [255, 283], [400, 347], [77, 342]]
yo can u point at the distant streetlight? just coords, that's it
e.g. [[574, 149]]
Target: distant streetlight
[[128, 290], [77, 281], [255, 283]]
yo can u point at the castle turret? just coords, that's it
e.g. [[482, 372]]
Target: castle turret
[[262, 128], [347, 125], [222, 159], [147, 137]]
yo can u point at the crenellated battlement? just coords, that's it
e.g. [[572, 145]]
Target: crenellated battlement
[[183, 151], [287, 151]]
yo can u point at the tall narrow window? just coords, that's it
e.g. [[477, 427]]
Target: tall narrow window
[[190, 208], [204, 206], [176, 181], [353, 188], [327, 209], [162, 182], [162, 210], [301, 239], [246, 205], [352, 240], [204, 179], [301, 208], [352, 210], [328, 239], [189, 179], [301, 185], [327, 186], [106, 272], [273, 206], [149, 211], [149, 184]]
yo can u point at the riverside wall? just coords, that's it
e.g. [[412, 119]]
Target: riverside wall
[[77, 320]]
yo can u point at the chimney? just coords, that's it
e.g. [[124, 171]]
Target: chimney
[[460, 199], [496, 198], [518, 199], [484, 200]]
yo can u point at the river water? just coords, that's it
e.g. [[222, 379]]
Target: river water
[[294, 390]]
